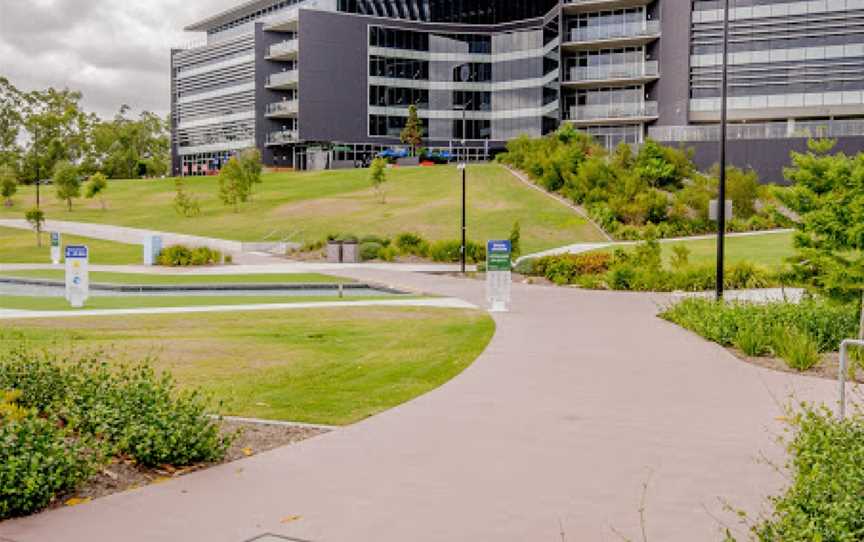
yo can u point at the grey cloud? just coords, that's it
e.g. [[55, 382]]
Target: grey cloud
[[114, 51]]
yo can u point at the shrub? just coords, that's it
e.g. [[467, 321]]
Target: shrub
[[823, 322], [796, 348], [183, 256], [370, 250], [525, 266], [38, 460], [753, 340], [680, 256], [383, 241], [129, 408], [450, 251], [411, 243], [823, 499], [387, 254]]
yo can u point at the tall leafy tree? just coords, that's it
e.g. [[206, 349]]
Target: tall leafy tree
[[412, 134], [58, 131], [127, 148], [8, 184], [67, 183], [829, 195], [11, 121]]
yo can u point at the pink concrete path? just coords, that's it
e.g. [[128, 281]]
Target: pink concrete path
[[580, 399]]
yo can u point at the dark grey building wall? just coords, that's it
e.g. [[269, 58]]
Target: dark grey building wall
[[672, 91], [333, 82], [767, 157], [175, 156], [264, 96]]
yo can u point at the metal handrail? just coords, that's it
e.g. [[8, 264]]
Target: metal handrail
[[844, 351]]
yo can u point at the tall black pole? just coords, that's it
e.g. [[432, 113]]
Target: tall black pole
[[721, 198], [464, 186]]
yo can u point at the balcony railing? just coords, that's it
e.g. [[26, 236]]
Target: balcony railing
[[615, 31], [613, 111], [286, 78], [765, 130], [283, 137], [614, 71], [288, 107], [288, 47]]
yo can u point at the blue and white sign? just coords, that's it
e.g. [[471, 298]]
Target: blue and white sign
[[498, 276], [77, 275], [55, 248]]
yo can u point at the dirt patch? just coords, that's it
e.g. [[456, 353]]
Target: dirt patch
[[827, 368], [123, 474]]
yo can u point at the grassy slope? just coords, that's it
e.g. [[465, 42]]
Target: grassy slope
[[767, 250], [19, 246], [321, 366], [37, 303], [144, 279], [308, 206]]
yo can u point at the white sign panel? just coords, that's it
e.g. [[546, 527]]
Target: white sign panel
[[714, 210], [152, 249], [77, 275], [55, 248], [498, 277]]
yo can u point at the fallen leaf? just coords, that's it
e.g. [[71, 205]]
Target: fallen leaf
[[247, 452], [159, 480], [75, 501], [290, 519]]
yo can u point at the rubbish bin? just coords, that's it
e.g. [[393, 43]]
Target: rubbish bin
[[334, 252], [350, 252]]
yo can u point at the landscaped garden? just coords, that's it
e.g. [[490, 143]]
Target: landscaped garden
[[624, 191], [307, 207], [77, 402]]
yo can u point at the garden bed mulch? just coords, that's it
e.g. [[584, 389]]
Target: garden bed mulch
[[827, 368], [124, 475]]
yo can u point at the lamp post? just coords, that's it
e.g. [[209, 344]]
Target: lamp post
[[721, 198], [464, 76]]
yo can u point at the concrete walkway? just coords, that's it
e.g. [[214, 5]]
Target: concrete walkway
[[580, 399], [440, 302]]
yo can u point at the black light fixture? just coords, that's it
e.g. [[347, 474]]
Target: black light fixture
[[721, 197]]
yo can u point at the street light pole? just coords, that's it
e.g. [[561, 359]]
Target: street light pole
[[721, 198]]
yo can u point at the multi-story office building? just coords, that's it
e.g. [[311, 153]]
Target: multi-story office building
[[327, 83]]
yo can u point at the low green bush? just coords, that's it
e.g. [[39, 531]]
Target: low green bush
[[383, 241], [525, 266], [183, 256], [412, 244], [823, 500], [796, 348], [450, 251], [824, 322], [753, 340], [73, 411], [39, 459], [370, 251]]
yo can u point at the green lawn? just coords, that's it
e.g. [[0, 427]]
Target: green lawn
[[318, 366], [19, 246], [42, 303], [307, 206], [767, 250], [149, 279]]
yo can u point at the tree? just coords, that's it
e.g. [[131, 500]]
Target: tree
[[184, 203], [8, 184], [67, 183], [11, 122], [96, 186], [516, 240], [412, 134], [378, 176], [36, 218], [233, 186], [125, 148], [829, 197], [250, 165]]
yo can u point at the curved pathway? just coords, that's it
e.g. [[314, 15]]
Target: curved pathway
[[580, 399]]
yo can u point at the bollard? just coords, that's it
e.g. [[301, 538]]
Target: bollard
[[844, 354]]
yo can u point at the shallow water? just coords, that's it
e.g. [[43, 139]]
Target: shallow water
[[58, 291]]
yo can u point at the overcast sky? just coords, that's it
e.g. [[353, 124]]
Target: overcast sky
[[113, 51]]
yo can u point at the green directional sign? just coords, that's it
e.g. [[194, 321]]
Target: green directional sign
[[498, 256]]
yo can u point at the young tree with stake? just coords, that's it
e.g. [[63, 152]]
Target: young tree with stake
[[67, 183], [96, 186], [378, 176]]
